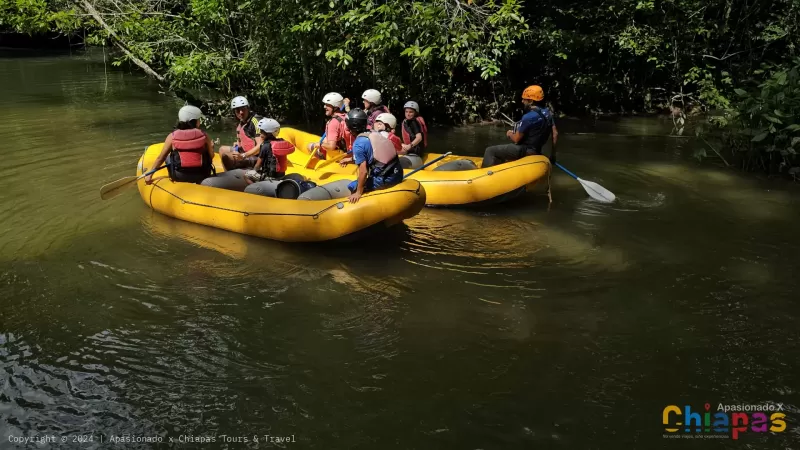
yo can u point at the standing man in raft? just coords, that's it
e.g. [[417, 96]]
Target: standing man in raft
[[530, 133]]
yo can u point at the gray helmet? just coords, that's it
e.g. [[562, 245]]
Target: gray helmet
[[189, 113], [412, 104], [356, 120]]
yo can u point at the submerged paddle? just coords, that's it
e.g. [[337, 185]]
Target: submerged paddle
[[427, 164], [594, 190], [114, 188]]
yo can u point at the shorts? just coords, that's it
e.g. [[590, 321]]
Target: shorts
[[369, 185]]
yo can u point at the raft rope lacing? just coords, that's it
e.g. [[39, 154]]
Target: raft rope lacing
[[487, 174]]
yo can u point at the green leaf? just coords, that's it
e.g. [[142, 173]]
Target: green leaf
[[793, 127], [773, 119], [740, 92], [795, 140], [760, 137]]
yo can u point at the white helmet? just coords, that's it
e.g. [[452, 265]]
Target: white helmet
[[238, 102], [334, 99], [412, 104], [388, 119], [372, 96], [189, 113], [269, 126]]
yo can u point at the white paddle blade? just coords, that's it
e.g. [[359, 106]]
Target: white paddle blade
[[115, 188], [597, 192]]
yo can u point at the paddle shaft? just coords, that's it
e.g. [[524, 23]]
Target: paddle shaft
[[112, 189], [568, 172], [427, 164], [325, 163], [151, 172]]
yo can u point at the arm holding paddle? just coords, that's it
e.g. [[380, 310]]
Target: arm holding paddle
[[148, 179]]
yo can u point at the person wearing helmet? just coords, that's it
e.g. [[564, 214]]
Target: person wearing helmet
[[384, 124], [244, 152], [188, 151], [373, 106], [336, 133], [378, 165], [271, 161], [415, 131], [529, 134]]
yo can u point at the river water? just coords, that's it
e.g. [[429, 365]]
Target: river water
[[505, 327]]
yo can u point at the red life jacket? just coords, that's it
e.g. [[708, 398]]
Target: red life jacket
[[250, 124], [394, 139], [190, 145], [346, 138], [273, 157], [407, 138]]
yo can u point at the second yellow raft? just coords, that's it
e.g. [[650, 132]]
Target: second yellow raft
[[442, 188]]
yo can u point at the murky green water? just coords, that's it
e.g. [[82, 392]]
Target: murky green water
[[509, 327]]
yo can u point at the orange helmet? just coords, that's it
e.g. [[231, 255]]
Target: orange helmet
[[534, 93]]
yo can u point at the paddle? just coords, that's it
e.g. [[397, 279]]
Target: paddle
[[114, 188], [310, 157], [325, 163], [594, 190], [427, 164]]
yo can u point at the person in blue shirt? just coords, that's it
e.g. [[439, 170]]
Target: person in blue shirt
[[529, 135], [378, 165]]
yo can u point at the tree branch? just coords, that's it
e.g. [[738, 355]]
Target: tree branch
[[118, 41]]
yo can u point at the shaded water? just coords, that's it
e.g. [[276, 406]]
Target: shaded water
[[506, 327]]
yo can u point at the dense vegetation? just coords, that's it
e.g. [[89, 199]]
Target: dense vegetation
[[464, 60]]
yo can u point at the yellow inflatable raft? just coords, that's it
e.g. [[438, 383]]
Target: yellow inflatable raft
[[274, 218], [442, 187]]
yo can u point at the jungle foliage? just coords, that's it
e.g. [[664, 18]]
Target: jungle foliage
[[464, 60]]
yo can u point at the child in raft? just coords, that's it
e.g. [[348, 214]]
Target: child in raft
[[385, 124], [415, 131], [272, 161]]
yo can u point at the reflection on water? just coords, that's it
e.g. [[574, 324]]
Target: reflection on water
[[512, 326]]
